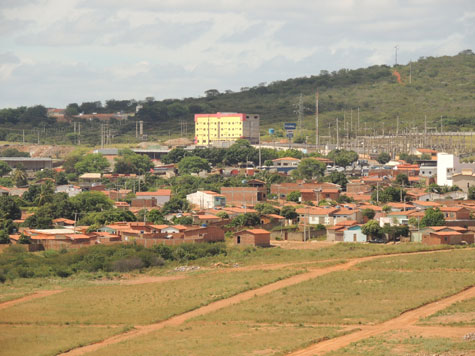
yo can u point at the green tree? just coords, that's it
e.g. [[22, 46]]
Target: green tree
[[241, 151], [266, 208], [91, 201], [247, 219], [372, 229], [4, 168], [289, 212], [389, 194], [24, 239], [20, 177], [402, 179], [130, 162], [343, 158], [175, 205], [309, 168], [45, 194], [471, 193], [369, 213], [337, 178], [91, 163], [156, 217], [433, 217], [175, 155], [9, 208], [383, 158], [294, 196], [222, 215], [193, 164], [4, 237]]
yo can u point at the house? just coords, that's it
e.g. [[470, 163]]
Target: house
[[69, 189], [90, 177], [61, 222], [316, 215], [244, 195], [285, 164], [448, 238], [206, 199], [252, 237], [345, 213], [29, 163], [447, 166], [455, 213], [354, 234], [335, 233], [465, 179], [423, 205], [161, 196], [4, 191]]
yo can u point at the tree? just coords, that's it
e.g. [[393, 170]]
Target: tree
[[4, 237], [433, 217], [91, 201], [210, 93], [247, 219], [343, 158], [369, 213], [130, 162], [175, 155], [72, 110], [471, 193], [41, 219], [289, 212], [24, 239], [294, 196], [193, 164], [175, 205], [402, 179], [20, 177], [9, 208], [372, 229], [266, 208], [337, 178], [239, 152], [13, 152], [309, 168], [389, 194], [183, 220], [45, 194], [383, 158], [156, 217], [222, 215], [4, 168], [91, 163]]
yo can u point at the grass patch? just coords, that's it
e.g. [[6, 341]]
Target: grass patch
[[37, 340], [458, 314], [348, 297], [137, 304], [462, 259], [232, 339], [386, 345]]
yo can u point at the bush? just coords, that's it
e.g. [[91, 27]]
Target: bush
[[127, 264]]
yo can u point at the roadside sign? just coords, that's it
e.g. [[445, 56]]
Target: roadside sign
[[290, 126], [290, 134]]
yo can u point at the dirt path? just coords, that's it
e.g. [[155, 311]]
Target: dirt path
[[180, 319], [403, 321], [40, 294]]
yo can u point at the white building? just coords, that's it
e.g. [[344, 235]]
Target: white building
[[447, 165], [206, 199], [161, 196]]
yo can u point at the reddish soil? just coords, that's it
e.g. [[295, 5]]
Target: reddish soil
[[36, 295], [180, 319], [403, 321]]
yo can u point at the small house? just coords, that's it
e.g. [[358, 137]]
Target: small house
[[252, 237]]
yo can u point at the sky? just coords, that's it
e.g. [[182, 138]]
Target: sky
[[56, 52]]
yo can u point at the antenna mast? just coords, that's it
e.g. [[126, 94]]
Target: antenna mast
[[317, 141]]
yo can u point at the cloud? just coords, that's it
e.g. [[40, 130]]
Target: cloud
[[59, 51]]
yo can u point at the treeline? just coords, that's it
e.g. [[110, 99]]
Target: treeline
[[15, 262]]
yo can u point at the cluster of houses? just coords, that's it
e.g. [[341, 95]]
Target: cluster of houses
[[317, 211]]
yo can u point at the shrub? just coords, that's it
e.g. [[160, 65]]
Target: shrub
[[127, 264]]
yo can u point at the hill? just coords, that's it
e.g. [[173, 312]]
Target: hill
[[439, 86], [431, 86]]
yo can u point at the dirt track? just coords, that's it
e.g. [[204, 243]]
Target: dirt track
[[180, 319], [403, 321], [36, 295]]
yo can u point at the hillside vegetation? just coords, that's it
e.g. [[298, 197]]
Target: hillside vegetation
[[439, 87]]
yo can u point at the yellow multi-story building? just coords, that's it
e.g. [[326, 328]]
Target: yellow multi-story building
[[220, 128]]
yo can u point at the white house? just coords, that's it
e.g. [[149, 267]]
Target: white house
[[447, 165], [206, 199], [69, 189], [354, 234]]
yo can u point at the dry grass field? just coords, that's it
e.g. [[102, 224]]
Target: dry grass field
[[280, 320]]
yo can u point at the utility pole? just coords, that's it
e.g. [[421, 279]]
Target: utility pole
[[79, 133], [299, 112], [410, 71], [397, 126], [396, 47], [358, 130], [317, 141], [337, 135], [23, 136]]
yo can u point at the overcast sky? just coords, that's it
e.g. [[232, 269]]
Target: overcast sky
[[54, 52]]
